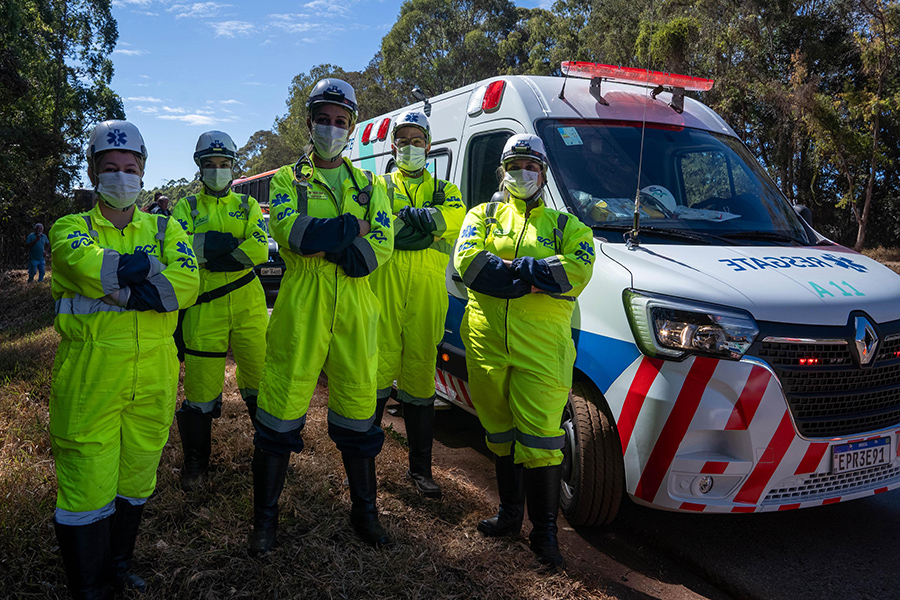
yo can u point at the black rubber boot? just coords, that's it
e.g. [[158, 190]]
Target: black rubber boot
[[85, 554], [269, 471], [196, 440], [508, 520], [542, 490], [125, 525], [250, 401], [363, 490], [420, 433]]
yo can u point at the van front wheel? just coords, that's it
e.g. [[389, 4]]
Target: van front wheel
[[593, 478]]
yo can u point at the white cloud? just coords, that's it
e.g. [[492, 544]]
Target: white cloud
[[232, 28], [200, 10], [143, 99], [124, 3], [130, 52], [147, 110], [177, 110], [250, 83], [190, 119], [327, 5], [232, 101], [144, 76]]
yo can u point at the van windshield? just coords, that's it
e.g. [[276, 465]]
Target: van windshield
[[695, 185]]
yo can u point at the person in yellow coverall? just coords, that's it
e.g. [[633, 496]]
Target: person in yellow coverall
[[524, 264], [119, 278], [332, 223], [229, 238], [412, 290]]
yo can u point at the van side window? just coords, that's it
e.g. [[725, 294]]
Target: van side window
[[483, 159], [709, 175]]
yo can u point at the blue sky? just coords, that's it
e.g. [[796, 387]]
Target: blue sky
[[185, 68]]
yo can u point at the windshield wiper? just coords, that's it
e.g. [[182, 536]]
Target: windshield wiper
[[764, 235], [695, 236]]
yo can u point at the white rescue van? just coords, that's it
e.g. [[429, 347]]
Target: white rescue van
[[730, 359]]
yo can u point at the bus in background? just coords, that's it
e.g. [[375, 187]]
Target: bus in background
[[257, 186]]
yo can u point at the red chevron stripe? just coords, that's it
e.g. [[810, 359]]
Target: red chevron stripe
[[634, 400], [692, 506], [831, 501], [811, 459], [751, 396], [676, 426], [789, 506], [714, 468], [743, 509], [762, 473]]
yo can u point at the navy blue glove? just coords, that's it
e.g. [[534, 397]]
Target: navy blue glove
[[132, 268], [410, 238], [218, 243]]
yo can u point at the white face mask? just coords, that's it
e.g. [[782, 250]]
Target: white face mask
[[119, 189], [216, 179], [329, 141], [521, 184], [410, 158]]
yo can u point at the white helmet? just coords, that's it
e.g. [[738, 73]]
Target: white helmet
[[412, 118], [333, 91], [524, 145], [116, 135], [215, 143], [662, 195]]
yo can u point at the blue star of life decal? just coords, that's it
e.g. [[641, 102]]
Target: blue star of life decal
[[585, 253], [187, 262], [217, 144], [261, 223], [467, 232], [411, 118], [383, 219], [280, 199], [845, 263], [116, 138]]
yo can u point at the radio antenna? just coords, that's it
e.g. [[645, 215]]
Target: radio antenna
[[631, 237]]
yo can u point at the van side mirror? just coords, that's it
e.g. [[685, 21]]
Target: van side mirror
[[804, 213]]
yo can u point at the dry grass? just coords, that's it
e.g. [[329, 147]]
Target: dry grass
[[889, 256], [194, 546]]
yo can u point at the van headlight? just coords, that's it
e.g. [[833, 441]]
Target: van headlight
[[673, 328]]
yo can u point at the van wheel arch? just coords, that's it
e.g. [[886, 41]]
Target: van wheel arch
[[593, 469]]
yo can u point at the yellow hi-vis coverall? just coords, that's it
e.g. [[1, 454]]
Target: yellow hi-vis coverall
[[116, 373], [240, 316], [326, 315], [411, 285], [519, 350]]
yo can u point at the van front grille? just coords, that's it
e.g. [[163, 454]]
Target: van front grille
[[820, 486]]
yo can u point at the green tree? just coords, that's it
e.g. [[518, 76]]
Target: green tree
[[440, 45]]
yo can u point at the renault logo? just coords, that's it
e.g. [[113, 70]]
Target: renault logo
[[866, 340]]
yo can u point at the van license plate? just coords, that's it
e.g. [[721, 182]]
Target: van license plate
[[270, 271], [861, 455]]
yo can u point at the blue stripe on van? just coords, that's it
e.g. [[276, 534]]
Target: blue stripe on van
[[455, 309], [602, 358]]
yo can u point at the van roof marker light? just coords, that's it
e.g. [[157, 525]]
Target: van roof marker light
[[635, 76], [486, 98], [367, 133], [383, 129]]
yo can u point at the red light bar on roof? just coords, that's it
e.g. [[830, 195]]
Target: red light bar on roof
[[367, 132], [383, 128], [630, 75]]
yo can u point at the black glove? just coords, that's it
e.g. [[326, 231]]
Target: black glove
[[408, 237], [218, 243], [419, 218]]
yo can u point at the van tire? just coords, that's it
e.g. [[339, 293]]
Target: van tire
[[593, 471]]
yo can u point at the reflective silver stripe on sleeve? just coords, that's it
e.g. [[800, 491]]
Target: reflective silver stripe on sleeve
[[365, 248], [440, 224], [198, 242], [475, 267], [503, 437], [82, 305], [166, 292], [241, 256], [298, 229], [156, 266], [109, 268], [361, 425], [559, 273], [540, 443], [280, 425]]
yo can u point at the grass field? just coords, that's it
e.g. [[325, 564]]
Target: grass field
[[194, 546]]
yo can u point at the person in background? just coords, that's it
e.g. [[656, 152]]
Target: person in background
[[38, 250], [332, 222], [119, 278], [412, 289], [160, 206], [228, 234], [524, 265]]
